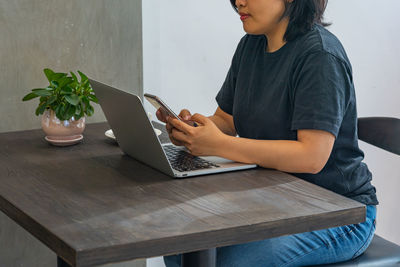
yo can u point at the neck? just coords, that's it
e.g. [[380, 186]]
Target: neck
[[275, 37]]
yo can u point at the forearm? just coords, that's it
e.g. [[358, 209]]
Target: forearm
[[283, 155], [222, 125]]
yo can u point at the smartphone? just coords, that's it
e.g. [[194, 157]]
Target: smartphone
[[158, 103], [167, 111]]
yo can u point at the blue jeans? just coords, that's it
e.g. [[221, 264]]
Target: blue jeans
[[312, 248]]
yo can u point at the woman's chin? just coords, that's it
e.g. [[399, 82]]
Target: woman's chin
[[250, 30]]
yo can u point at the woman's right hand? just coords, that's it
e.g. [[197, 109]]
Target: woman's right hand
[[185, 116]]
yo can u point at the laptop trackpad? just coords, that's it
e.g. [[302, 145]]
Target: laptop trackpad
[[218, 160]]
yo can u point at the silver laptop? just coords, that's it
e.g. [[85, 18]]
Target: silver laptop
[[136, 137]]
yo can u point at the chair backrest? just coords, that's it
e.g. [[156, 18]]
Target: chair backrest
[[382, 132]]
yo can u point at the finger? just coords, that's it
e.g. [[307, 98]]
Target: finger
[[169, 127], [190, 151], [160, 115], [174, 141], [185, 114], [179, 136], [180, 125], [200, 119]]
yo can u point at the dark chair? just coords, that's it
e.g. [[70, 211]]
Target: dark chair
[[383, 133]]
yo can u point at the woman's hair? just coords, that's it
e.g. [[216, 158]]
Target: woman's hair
[[302, 14]]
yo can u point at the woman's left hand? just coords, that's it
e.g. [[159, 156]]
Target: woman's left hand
[[203, 140]]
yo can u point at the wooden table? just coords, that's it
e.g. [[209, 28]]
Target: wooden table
[[92, 205]]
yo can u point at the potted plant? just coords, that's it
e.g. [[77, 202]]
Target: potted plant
[[63, 105]]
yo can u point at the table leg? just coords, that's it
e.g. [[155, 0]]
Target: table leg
[[62, 263], [202, 258]]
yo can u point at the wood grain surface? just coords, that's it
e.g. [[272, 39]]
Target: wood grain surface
[[91, 204]]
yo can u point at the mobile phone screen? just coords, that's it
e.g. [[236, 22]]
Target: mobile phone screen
[[158, 103]]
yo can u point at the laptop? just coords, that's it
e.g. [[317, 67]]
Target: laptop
[[136, 137]]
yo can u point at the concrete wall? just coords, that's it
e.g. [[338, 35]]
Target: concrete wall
[[188, 47], [101, 38]]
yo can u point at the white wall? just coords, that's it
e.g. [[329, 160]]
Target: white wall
[[188, 47], [370, 33]]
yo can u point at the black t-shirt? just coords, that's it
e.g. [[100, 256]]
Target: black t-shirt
[[306, 84]]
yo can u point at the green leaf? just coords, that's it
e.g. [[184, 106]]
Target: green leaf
[[72, 99], [82, 110], [79, 113], [51, 100], [49, 74], [64, 81], [67, 90], [66, 95], [62, 112], [57, 76], [37, 110], [78, 110], [58, 111], [85, 101], [89, 110], [40, 109], [84, 78], [69, 112], [93, 98], [74, 77], [54, 84], [29, 96], [86, 86], [43, 92]]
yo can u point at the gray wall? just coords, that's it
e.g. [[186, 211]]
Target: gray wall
[[101, 38]]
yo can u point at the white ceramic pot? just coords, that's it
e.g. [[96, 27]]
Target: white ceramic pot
[[62, 130]]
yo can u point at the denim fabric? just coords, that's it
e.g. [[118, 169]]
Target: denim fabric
[[311, 248]]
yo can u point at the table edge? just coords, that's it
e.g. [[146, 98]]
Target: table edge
[[53, 242], [171, 246]]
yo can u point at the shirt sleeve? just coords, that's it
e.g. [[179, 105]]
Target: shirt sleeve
[[322, 86], [225, 96]]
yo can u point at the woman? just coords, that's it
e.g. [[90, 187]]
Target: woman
[[288, 103]]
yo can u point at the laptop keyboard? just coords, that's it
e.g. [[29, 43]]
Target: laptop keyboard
[[183, 161]]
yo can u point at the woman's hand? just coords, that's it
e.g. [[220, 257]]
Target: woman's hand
[[203, 140], [162, 116]]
